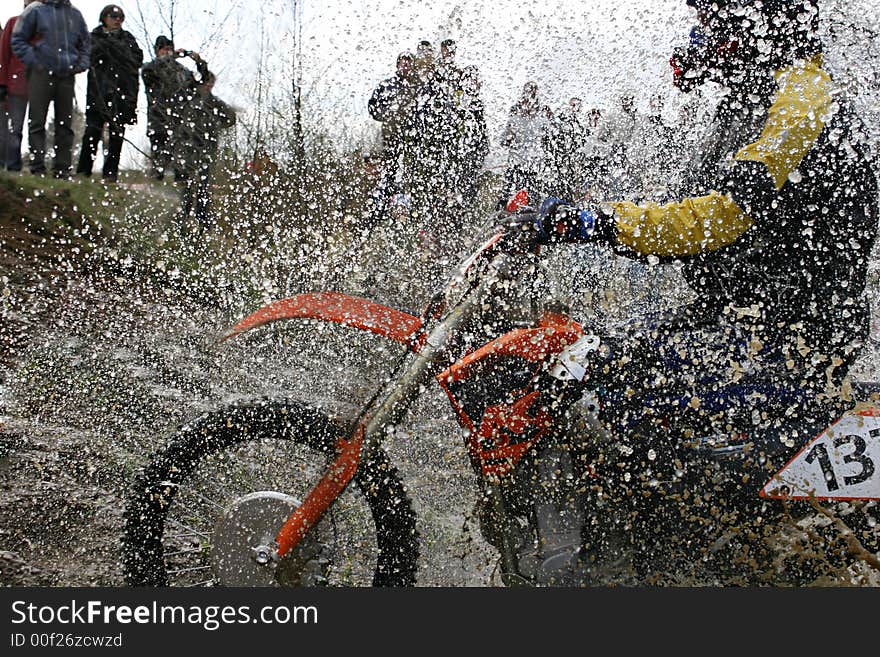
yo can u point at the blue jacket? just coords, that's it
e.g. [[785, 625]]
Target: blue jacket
[[52, 35]]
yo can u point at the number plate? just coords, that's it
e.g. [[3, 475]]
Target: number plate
[[839, 464]]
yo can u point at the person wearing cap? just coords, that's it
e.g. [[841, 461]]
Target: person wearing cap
[[446, 72], [460, 125], [471, 144], [111, 97], [13, 99], [52, 41], [168, 85], [425, 60]]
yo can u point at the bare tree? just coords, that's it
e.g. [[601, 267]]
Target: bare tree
[[256, 130], [142, 27], [170, 12], [218, 26], [296, 66], [167, 14]]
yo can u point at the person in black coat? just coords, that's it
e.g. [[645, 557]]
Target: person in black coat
[[111, 99], [393, 105]]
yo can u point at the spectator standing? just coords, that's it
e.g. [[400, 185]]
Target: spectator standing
[[596, 167], [524, 138], [548, 174], [195, 146], [473, 140], [569, 152], [168, 85], [112, 91], [658, 149], [52, 41], [393, 104], [425, 61], [447, 73], [426, 172], [461, 144], [619, 132], [448, 121], [13, 99]]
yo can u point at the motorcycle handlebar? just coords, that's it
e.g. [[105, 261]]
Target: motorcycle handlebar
[[520, 234]]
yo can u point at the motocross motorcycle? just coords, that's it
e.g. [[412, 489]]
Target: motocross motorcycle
[[202, 510]]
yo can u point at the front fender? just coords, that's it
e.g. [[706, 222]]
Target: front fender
[[339, 308]]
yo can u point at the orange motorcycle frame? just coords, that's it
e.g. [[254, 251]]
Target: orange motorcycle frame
[[500, 440], [506, 431]]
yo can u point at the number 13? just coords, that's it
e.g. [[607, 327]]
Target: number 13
[[820, 452]]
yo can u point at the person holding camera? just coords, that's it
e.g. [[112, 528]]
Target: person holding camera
[[169, 85]]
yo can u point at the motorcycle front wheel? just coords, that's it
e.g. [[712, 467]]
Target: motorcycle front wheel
[[206, 508]]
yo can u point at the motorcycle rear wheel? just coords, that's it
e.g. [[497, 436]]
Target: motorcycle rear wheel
[[232, 469]]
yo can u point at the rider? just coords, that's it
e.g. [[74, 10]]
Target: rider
[[775, 249]]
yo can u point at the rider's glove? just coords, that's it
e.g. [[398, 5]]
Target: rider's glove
[[560, 221]]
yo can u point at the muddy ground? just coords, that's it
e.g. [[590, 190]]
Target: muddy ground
[[100, 361]]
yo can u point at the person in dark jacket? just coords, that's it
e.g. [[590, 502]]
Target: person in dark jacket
[[52, 41], [168, 85], [470, 148], [776, 251], [447, 73], [13, 99], [566, 149], [393, 104], [112, 91], [195, 145]]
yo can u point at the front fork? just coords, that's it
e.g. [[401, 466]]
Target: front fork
[[370, 429]]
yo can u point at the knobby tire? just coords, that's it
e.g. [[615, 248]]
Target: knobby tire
[[167, 470]]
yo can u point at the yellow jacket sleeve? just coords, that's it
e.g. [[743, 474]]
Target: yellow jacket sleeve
[[684, 228], [795, 120]]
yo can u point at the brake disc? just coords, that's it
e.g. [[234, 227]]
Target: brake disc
[[244, 544]]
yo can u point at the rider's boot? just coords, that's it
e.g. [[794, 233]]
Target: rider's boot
[[566, 389]]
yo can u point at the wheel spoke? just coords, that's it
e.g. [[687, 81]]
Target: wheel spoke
[[208, 501], [189, 529], [195, 550], [191, 569], [186, 534]]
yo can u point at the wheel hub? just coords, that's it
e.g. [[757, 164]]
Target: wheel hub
[[244, 552]]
